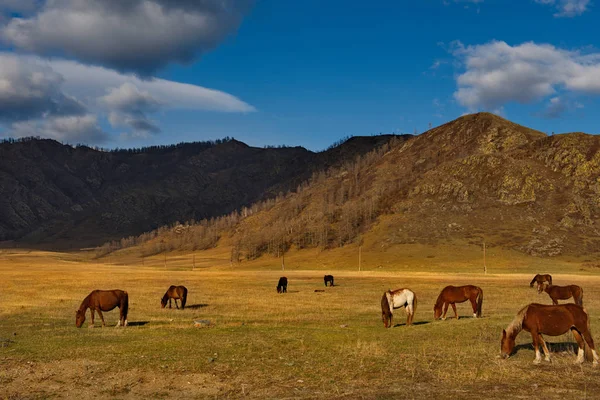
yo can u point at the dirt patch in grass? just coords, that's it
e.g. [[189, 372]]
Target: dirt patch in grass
[[84, 379]]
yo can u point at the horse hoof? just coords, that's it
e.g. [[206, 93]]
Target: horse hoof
[[91, 327], [537, 362]]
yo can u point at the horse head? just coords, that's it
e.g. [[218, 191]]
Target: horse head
[[507, 345], [437, 311], [79, 318]]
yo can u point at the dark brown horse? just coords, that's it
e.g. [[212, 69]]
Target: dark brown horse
[[564, 293], [539, 320], [175, 293], [282, 285], [458, 294], [103, 300], [328, 279], [540, 279]]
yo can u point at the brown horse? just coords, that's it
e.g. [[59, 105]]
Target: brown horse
[[539, 319], [458, 294], [328, 279], [103, 300], [540, 279], [564, 293], [175, 293]]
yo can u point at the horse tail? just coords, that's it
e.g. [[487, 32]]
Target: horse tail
[[479, 302], [184, 297], [414, 303], [580, 299], [550, 279], [124, 305]]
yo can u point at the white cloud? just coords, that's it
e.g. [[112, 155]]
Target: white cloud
[[497, 73], [567, 8], [71, 129], [128, 35], [129, 107], [37, 96], [93, 82], [31, 90]]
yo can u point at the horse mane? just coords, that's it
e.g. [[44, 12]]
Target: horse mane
[[516, 325]]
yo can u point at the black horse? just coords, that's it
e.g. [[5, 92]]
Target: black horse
[[282, 285], [328, 279]]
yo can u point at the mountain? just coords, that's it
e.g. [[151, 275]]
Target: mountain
[[62, 195], [477, 179]]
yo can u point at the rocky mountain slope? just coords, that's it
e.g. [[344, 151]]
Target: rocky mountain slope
[[478, 178]]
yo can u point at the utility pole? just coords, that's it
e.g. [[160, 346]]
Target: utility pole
[[359, 256], [484, 265]]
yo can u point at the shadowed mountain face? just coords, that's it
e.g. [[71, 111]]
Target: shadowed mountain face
[[56, 194]]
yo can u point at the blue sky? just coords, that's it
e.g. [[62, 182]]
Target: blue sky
[[296, 73]]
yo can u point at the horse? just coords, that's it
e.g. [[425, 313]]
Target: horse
[[551, 320], [540, 279], [393, 299], [328, 278], [103, 300], [458, 294], [282, 285], [564, 293], [175, 293]]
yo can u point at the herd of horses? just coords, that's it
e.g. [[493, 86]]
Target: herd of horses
[[108, 300], [537, 319]]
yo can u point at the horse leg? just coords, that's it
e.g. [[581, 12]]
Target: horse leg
[[101, 317], [545, 348], [454, 308], [580, 344], [169, 302], [176, 303], [536, 346], [590, 341], [474, 305], [92, 322], [409, 315], [445, 311]]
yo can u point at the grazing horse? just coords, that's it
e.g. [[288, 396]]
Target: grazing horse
[[103, 300], [540, 279], [175, 293], [458, 294], [393, 299], [564, 293], [282, 285], [328, 278], [539, 319]]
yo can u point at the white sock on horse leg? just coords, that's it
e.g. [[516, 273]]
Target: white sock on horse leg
[[580, 356]]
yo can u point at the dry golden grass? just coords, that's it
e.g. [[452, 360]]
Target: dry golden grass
[[303, 344]]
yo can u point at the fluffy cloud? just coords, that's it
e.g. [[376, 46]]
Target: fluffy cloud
[[129, 107], [134, 35], [567, 8], [71, 129], [62, 99], [30, 90], [497, 73]]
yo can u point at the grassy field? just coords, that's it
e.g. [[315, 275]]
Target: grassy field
[[303, 344]]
